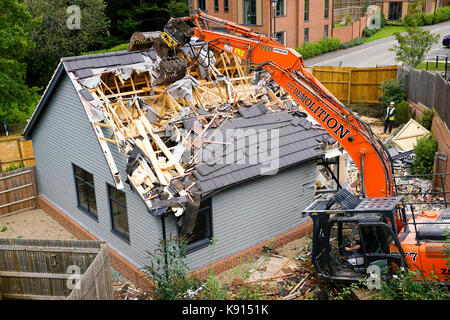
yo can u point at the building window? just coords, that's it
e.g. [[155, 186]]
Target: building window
[[225, 6], [280, 8], [118, 209], [306, 35], [201, 4], [327, 6], [325, 31], [250, 11], [202, 232], [279, 37], [84, 182], [306, 10], [395, 11], [216, 5]]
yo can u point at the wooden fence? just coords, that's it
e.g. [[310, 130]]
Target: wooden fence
[[37, 269], [18, 190], [15, 149], [355, 85], [429, 89]]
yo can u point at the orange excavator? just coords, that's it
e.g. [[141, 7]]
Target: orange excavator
[[388, 238]]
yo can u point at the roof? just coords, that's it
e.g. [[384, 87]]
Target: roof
[[288, 140]]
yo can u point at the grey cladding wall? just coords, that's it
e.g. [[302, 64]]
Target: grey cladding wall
[[255, 211], [63, 135]]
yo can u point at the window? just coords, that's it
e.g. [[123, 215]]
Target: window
[[306, 10], [395, 11], [118, 209], [279, 37], [201, 4], [280, 8], [325, 31], [327, 6], [306, 35], [216, 5], [84, 182], [225, 6], [202, 232], [250, 11]]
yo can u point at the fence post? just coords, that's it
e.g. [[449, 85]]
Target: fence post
[[35, 185], [349, 86]]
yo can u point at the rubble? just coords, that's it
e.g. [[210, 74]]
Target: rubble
[[161, 126]]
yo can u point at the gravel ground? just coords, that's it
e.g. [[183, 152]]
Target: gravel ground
[[32, 224]]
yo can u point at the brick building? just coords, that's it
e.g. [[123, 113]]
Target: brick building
[[296, 22]]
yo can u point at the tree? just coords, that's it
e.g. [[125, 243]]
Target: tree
[[16, 98], [56, 37], [412, 48]]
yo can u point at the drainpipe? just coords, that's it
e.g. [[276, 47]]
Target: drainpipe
[[163, 225]]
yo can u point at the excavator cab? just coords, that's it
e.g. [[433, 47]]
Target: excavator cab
[[352, 237]]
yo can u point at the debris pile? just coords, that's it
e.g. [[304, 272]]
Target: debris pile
[[125, 290]]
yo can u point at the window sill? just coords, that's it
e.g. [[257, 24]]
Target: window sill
[[198, 245], [121, 236], [90, 214]]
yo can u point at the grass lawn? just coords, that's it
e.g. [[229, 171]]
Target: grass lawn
[[386, 31], [119, 47], [432, 66]]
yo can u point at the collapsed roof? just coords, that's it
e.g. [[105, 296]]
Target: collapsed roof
[[221, 124]]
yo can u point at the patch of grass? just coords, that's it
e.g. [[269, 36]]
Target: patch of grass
[[386, 31], [4, 229], [432, 66]]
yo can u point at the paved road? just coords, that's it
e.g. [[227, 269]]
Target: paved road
[[377, 53]]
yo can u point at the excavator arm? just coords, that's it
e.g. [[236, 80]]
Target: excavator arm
[[287, 69]]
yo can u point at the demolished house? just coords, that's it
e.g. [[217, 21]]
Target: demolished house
[[133, 153]]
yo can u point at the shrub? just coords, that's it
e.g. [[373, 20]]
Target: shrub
[[425, 149], [441, 14], [367, 32], [312, 49], [13, 166], [352, 43], [401, 115], [427, 119], [393, 90]]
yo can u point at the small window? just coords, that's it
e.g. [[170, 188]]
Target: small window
[[306, 35], [250, 12], [325, 31], [216, 5], [280, 8], [306, 10], [327, 9], [84, 182], [201, 4], [279, 37], [118, 209], [202, 232], [225, 6]]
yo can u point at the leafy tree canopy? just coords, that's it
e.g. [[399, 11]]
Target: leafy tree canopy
[[16, 99]]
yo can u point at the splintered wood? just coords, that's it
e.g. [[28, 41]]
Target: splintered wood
[[146, 122]]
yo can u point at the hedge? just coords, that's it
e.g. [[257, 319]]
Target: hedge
[[422, 19], [312, 49]]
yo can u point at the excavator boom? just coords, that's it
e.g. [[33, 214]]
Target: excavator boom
[[287, 69]]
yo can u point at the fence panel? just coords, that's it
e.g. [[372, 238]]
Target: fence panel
[[18, 190], [355, 85], [15, 149], [41, 269]]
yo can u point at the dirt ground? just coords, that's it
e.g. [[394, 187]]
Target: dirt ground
[[32, 224]]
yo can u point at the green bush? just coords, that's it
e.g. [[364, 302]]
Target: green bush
[[422, 19], [441, 14], [13, 166], [393, 90], [367, 32], [401, 116], [427, 119], [312, 49], [352, 43], [425, 149]]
